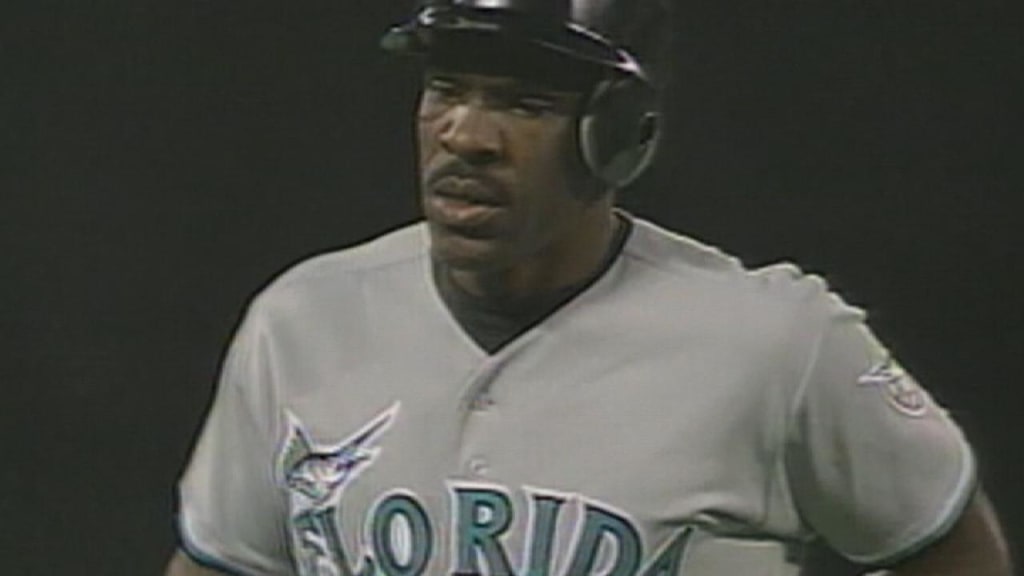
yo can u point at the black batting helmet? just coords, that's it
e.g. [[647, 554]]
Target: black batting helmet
[[595, 40]]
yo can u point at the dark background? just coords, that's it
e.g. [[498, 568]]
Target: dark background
[[161, 160]]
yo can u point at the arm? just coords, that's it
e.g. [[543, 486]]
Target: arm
[[230, 508], [974, 547], [182, 565], [881, 472]]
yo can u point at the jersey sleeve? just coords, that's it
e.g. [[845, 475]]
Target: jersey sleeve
[[231, 513], [876, 468]]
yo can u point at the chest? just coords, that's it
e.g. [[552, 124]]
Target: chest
[[614, 458]]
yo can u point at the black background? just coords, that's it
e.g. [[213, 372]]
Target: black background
[[161, 160]]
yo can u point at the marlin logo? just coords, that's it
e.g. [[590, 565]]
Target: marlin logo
[[900, 389], [320, 473], [881, 374]]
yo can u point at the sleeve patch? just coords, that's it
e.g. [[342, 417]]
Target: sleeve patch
[[900, 389]]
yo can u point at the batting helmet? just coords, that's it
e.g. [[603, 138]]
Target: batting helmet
[[619, 126]]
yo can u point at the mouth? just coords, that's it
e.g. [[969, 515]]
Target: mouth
[[464, 203], [468, 189]]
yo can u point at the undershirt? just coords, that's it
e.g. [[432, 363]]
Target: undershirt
[[494, 322]]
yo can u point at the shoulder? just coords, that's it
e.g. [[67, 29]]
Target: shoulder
[[393, 248], [341, 275], [320, 310], [694, 269]]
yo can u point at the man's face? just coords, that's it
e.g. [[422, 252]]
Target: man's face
[[499, 174]]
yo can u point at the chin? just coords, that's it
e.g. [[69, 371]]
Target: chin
[[470, 254]]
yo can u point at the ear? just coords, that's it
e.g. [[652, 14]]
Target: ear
[[619, 130]]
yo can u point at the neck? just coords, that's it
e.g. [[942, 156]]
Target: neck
[[565, 261]]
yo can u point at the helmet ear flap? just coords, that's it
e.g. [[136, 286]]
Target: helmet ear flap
[[619, 130]]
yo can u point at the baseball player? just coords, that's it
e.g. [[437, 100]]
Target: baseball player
[[533, 382]]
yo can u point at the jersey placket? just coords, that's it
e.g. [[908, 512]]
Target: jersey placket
[[480, 412]]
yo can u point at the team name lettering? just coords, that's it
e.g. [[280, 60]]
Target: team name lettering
[[399, 538]]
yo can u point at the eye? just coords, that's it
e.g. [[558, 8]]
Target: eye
[[440, 93], [532, 105]]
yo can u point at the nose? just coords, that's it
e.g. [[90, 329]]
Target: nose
[[470, 132]]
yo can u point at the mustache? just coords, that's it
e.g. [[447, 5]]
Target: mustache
[[461, 169]]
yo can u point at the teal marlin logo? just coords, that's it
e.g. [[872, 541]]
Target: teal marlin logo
[[320, 473], [315, 476]]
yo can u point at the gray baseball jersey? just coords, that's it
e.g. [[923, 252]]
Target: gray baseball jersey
[[682, 415]]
